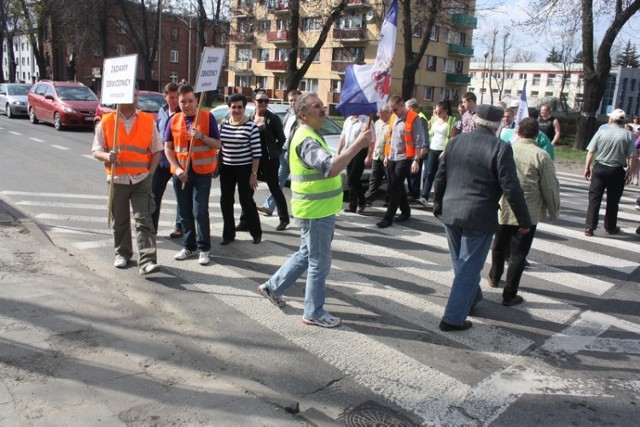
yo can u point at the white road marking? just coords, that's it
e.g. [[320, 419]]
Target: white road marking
[[37, 139], [90, 157], [56, 195], [101, 207], [579, 234], [14, 132], [60, 147]]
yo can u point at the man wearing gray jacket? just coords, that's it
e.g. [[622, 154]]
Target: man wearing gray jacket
[[477, 169]]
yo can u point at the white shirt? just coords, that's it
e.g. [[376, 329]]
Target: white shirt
[[353, 126]]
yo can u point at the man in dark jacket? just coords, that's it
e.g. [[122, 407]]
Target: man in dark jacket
[[477, 169]]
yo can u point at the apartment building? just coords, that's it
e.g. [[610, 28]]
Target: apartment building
[[25, 66], [544, 85], [259, 44]]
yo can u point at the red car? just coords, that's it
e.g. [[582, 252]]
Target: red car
[[65, 104], [148, 101]]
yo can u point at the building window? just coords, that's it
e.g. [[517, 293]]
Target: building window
[[536, 79], [428, 93], [534, 93], [336, 86], [174, 34], [173, 56], [282, 54], [121, 50], [551, 79], [449, 66], [243, 81], [508, 76], [507, 92], [567, 79], [309, 85], [311, 24], [351, 21], [261, 81], [243, 55], [522, 76], [519, 93], [435, 33], [121, 27], [264, 26], [282, 25], [348, 54], [432, 62], [174, 77], [548, 94], [263, 55], [281, 83], [304, 52], [417, 30]]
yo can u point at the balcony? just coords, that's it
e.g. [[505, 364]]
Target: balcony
[[240, 67], [457, 50], [242, 12], [240, 38], [280, 36], [358, 4], [340, 66], [465, 21], [275, 65], [278, 6], [458, 79], [345, 35]]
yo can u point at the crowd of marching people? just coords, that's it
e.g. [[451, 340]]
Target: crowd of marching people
[[492, 176]]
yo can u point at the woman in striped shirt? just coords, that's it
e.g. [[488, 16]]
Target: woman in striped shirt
[[241, 152]]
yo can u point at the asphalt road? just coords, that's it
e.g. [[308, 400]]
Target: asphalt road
[[568, 356]]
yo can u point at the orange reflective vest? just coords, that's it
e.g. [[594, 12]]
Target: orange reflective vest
[[134, 156], [203, 157], [407, 135]]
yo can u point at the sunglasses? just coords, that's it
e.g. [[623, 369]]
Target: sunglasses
[[236, 107], [262, 101]]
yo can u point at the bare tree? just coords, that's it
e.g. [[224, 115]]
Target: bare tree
[[142, 20], [567, 53], [596, 66], [34, 19], [521, 55]]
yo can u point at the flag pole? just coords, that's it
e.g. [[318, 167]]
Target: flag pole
[[113, 168]]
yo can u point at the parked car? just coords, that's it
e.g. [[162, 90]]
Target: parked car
[[64, 104], [148, 101], [330, 131], [13, 99]]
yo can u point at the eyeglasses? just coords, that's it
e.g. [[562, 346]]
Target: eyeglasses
[[236, 107], [262, 101]]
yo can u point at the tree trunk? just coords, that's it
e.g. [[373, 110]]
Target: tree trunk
[[408, 81]]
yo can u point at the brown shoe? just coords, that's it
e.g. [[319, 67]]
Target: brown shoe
[[588, 232], [176, 233], [491, 282], [611, 232], [265, 211]]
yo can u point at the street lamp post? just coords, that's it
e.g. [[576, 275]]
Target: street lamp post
[[484, 71]]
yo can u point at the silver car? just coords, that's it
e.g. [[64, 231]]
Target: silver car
[[13, 99]]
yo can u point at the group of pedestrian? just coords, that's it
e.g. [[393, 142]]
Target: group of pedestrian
[[473, 172]]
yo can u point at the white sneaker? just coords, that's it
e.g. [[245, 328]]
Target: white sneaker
[[637, 207], [151, 267], [184, 254], [120, 262], [422, 201], [203, 259]]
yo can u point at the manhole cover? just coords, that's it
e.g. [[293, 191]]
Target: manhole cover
[[371, 414]]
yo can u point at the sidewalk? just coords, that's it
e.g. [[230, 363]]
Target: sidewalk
[[74, 351]]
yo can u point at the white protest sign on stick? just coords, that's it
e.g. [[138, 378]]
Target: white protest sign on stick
[[119, 79], [209, 69]]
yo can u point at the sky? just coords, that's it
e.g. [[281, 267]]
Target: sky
[[502, 14]]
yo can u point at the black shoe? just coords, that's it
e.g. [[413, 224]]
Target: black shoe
[[448, 327], [513, 301], [526, 263], [412, 199], [612, 231], [491, 282], [242, 226], [360, 209], [257, 239], [384, 224], [369, 203], [402, 217], [588, 232], [225, 242], [638, 231], [282, 226], [350, 209]]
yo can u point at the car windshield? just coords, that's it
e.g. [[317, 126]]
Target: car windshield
[[76, 93], [18, 89], [150, 103]]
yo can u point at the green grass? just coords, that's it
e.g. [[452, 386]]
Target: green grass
[[570, 155]]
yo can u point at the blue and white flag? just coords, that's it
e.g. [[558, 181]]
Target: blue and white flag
[[366, 87], [523, 109]]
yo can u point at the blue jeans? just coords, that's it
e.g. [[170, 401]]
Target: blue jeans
[[469, 249], [314, 257], [429, 168], [193, 203], [283, 174]]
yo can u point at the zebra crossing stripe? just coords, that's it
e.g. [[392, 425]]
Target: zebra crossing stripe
[[60, 147], [579, 234], [55, 195]]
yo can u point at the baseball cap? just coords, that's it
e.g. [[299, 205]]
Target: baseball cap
[[617, 114]]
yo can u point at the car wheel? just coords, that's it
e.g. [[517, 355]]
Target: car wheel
[[8, 111], [57, 122], [32, 116]]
